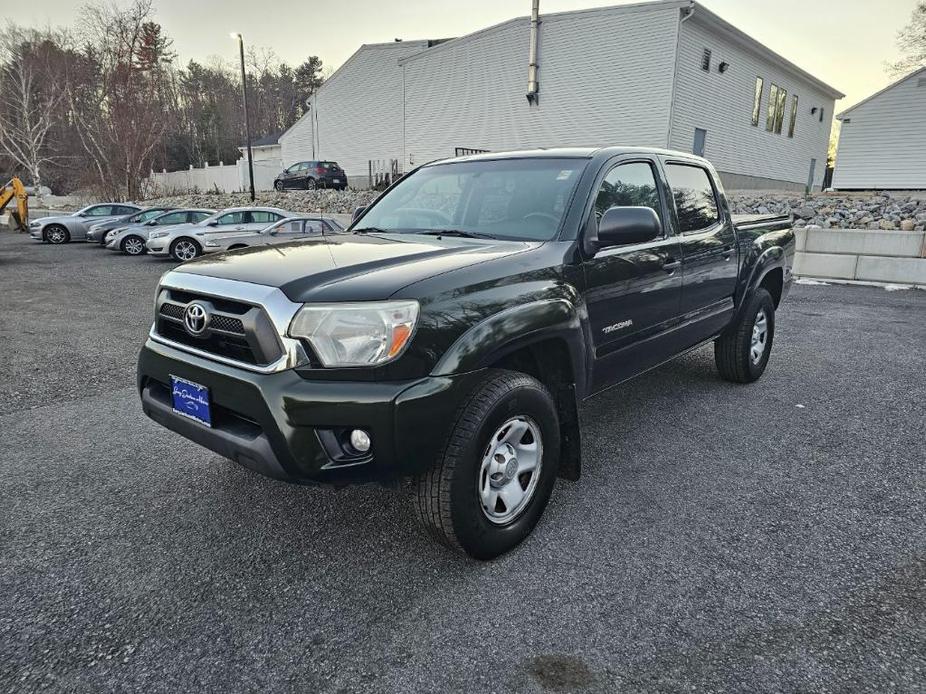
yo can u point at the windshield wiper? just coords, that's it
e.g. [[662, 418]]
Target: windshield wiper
[[454, 232], [370, 230]]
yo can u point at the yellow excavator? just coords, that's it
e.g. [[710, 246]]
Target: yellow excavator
[[19, 218]]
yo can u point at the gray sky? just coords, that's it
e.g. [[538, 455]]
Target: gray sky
[[843, 42]]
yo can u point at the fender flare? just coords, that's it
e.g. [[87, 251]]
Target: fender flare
[[768, 260]]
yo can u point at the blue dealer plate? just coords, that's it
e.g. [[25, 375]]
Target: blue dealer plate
[[190, 400]]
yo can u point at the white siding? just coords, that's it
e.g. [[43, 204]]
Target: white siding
[[722, 105], [882, 143], [605, 78], [356, 115]]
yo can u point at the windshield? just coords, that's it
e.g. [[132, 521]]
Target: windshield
[[517, 199]]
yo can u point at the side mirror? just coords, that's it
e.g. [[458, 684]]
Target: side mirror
[[625, 225], [357, 212], [213, 223], [151, 223]]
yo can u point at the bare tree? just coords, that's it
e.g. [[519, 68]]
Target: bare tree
[[30, 94], [123, 111], [912, 43]]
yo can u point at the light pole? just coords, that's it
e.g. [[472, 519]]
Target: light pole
[[247, 118]]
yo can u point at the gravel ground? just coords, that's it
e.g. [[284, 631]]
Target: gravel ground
[[763, 538]]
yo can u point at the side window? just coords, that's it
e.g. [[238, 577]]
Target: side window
[[261, 217], [232, 218], [175, 218], [197, 216], [125, 210], [100, 211], [695, 201], [628, 185], [313, 227]]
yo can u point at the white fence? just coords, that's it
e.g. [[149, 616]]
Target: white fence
[[228, 178]]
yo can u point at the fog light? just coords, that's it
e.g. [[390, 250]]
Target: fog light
[[360, 440]]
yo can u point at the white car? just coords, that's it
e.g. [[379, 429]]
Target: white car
[[130, 239], [283, 231], [186, 242]]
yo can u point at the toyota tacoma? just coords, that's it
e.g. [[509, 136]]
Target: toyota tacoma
[[450, 338]]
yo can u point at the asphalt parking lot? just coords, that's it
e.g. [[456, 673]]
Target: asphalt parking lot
[[756, 538]]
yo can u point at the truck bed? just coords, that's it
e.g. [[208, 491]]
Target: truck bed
[[764, 222]]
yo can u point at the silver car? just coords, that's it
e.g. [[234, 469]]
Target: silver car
[[73, 227], [283, 231], [186, 242], [131, 239], [97, 232]]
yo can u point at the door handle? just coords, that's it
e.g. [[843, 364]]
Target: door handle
[[727, 252], [671, 265]]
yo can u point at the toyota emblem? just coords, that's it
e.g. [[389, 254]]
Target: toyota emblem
[[195, 318]]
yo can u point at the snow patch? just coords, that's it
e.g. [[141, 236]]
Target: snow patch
[[811, 283]]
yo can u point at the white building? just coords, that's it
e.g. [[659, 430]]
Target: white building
[[662, 74], [882, 144]]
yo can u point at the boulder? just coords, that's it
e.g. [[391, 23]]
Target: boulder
[[886, 224], [907, 225]]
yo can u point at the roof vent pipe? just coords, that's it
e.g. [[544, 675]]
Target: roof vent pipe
[[533, 88]]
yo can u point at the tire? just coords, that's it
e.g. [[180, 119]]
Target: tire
[[184, 249], [56, 234], [310, 184], [450, 498], [133, 245], [742, 351], [278, 186]]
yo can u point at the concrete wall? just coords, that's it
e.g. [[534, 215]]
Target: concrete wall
[[895, 257]]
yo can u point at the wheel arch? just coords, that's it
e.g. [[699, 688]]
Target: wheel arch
[[543, 339]]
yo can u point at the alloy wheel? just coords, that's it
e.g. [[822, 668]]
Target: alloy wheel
[[133, 246], [510, 470], [56, 235], [185, 250], [759, 337]]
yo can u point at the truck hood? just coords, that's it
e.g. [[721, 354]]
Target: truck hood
[[351, 267]]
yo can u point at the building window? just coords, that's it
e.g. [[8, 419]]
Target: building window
[[757, 101], [775, 114], [821, 114], [793, 120], [706, 60]]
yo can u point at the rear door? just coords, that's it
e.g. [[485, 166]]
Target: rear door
[[632, 292], [708, 248]]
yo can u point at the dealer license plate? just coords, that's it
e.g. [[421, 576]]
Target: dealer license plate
[[191, 400]]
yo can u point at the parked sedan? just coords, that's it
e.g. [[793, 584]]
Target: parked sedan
[[309, 175], [186, 242], [97, 232], [131, 239], [73, 227], [283, 231]]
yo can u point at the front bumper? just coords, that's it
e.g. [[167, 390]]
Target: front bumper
[[158, 247], [281, 424], [36, 235]]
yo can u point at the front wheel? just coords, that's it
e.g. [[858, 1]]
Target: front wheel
[[133, 245], [493, 481], [742, 351], [185, 249], [278, 186], [57, 234]]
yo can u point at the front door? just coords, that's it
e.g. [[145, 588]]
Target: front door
[[709, 254], [632, 292]]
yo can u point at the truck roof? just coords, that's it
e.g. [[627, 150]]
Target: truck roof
[[568, 153]]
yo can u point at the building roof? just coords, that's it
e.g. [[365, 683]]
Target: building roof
[[265, 141], [880, 92]]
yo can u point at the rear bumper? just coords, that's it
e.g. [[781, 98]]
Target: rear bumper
[[286, 427]]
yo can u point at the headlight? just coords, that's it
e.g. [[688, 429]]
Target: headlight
[[157, 234], [361, 334], [35, 224]]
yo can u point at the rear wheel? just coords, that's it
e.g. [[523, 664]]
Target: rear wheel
[[742, 351], [310, 184], [185, 249], [494, 478], [56, 234], [133, 245]]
